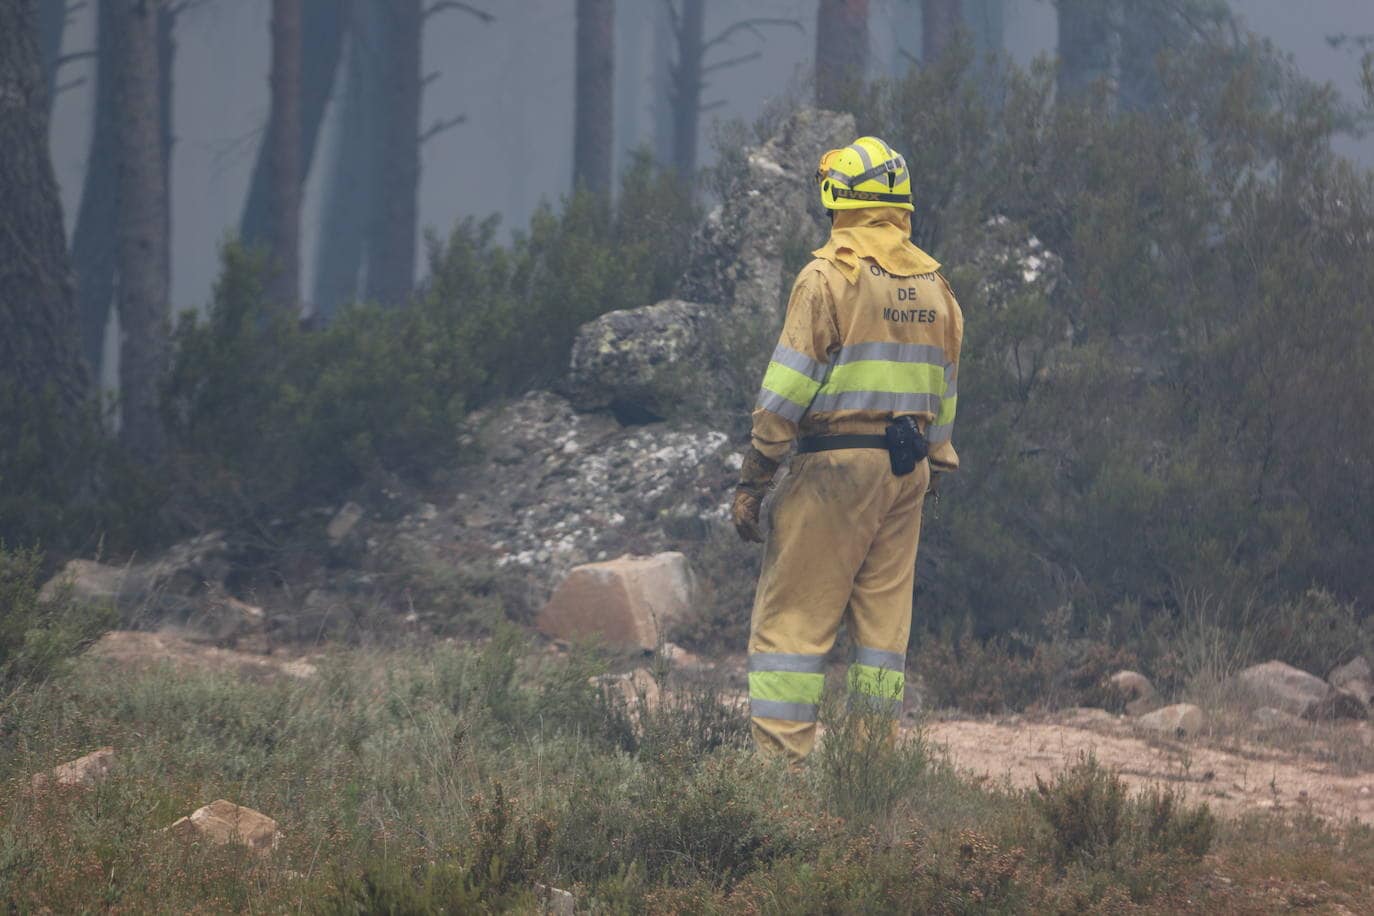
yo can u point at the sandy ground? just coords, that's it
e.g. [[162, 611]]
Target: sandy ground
[[1232, 782]]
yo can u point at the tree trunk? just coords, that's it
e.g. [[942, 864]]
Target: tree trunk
[[142, 232], [326, 23], [841, 50], [285, 135], [1145, 33], [941, 21], [1087, 38], [985, 21], [663, 67], [93, 240], [52, 22], [39, 352], [348, 191], [392, 232], [166, 64], [633, 44], [686, 86], [593, 123]]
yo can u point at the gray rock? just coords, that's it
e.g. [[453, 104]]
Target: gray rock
[[1182, 720], [738, 255], [1136, 689], [1276, 718], [1284, 687], [1338, 704], [343, 522], [1357, 669], [174, 585], [677, 356], [641, 363]]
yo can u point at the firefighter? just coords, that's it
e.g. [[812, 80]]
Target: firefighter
[[866, 374]]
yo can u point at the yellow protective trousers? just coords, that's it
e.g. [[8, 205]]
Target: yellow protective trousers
[[842, 549]]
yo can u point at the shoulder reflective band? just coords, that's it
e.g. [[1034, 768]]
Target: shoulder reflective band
[[790, 383]]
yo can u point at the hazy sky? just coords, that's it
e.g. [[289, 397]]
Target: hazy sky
[[514, 81]]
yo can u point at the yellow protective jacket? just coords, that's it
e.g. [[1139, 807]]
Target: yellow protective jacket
[[864, 342]]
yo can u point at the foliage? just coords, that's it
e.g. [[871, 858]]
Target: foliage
[[39, 633], [450, 780], [268, 417]]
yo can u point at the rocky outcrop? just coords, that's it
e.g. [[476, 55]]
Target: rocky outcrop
[[625, 603], [221, 823], [680, 358], [174, 585], [559, 488], [739, 255], [84, 772], [646, 364]]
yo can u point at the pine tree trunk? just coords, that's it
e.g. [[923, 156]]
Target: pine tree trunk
[[285, 134], [392, 232], [142, 231], [1145, 33], [1087, 38], [593, 121], [348, 189], [325, 22], [93, 240], [39, 351], [686, 86], [941, 21], [52, 23], [841, 50], [985, 21]]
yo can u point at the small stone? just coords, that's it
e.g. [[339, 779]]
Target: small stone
[[223, 822], [555, 901], [1183, 720], [343, 522], [632, 687], [681, 658], [86, 771]]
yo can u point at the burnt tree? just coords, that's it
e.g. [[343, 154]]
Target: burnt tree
[[841, 50], [689, 67], [593, 119]]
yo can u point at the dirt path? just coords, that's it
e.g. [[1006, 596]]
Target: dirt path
[[1249, 779]]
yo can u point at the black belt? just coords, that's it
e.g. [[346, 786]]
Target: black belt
[[830, 443]]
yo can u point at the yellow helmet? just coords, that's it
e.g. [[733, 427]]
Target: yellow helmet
[[866, 173]]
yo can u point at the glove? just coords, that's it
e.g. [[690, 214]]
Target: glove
[[755, 476]]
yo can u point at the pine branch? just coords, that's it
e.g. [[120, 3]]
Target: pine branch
[[440, 126], [456, 6]]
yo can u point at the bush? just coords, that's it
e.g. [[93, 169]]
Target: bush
[[37, 634], [1094, 824], [268, 418]]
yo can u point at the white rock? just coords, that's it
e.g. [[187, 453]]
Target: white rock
[[84, 771], [223, 822]]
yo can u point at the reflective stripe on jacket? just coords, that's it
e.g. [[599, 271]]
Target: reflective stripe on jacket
[[853, 355]]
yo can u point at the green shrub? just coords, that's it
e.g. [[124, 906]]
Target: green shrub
[[1093, 822], [38, 634]]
